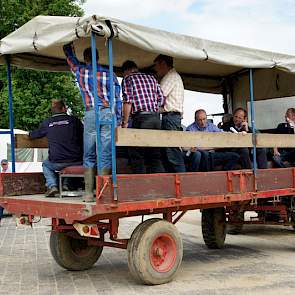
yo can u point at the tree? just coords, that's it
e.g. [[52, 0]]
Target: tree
[[32, 90]]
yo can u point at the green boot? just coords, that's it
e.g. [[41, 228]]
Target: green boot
[[89, 184], [106, 171]]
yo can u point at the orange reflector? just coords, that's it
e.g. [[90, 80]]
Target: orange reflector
[[85, 229]]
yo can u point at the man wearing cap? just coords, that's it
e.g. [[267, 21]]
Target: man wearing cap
[[172, 110]]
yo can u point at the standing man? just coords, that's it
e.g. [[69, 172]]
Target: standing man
[[142, 96], [240, 124], [172, 110], [84, 76], [4, 166], [210, 158], [65, 144], [4, 169]]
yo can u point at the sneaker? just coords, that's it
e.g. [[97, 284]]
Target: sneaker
[[52, 192]]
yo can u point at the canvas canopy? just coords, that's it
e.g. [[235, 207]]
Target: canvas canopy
[[205, 66]]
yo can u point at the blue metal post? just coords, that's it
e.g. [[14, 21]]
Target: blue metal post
[[113, 124], [11, 117], [253, 121], [97, 112]]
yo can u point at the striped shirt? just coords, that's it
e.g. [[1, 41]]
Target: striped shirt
[[143, 92], [84, 76], [173, 90]]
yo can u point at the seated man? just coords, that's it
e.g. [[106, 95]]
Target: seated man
[[285, 157], [204, 159], [65, 144], [239, 124]]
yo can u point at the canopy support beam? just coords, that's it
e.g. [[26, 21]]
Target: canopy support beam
[[11, 117]]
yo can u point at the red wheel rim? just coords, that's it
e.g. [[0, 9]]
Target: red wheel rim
[[163, 253]]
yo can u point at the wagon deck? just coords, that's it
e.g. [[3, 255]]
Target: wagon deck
[[155, 193]]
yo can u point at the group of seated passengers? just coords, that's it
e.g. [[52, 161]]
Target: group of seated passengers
[[68, 129]]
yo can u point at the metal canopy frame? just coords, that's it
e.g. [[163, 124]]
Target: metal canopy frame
[[11, 115]]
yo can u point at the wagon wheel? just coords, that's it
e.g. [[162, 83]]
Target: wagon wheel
[[214, 227], [236, 229], [155, 252], [71, 253], [133, 242]]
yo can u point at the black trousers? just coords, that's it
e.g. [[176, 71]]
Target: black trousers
[[140, 157], [245, 157]]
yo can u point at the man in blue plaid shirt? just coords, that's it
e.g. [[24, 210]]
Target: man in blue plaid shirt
[[84, 76]]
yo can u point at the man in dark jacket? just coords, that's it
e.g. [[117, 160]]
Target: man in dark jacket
[[65, 143], [285, 157]]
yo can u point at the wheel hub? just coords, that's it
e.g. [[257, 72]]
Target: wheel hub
[[163, 253]]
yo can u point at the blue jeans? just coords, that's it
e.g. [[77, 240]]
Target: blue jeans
[[49, 171], [172, 121], [1, 212], [193, 161], [90, 139]]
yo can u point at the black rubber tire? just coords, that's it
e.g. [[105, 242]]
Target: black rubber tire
[[141, 251], [214, 227], [133, 242], [71, 253]]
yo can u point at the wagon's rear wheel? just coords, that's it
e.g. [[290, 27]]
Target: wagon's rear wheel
[[214, 227], [72, 253], [155, 252]]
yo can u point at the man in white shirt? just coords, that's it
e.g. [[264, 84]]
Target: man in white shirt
[[172, 109]]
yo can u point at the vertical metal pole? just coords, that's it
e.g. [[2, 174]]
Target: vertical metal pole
[[97, 113], [11, 117], [253, 121], [113, 124]]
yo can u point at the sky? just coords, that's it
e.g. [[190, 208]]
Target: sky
[[262, 24]]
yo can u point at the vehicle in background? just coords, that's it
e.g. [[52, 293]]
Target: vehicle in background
[[26, 159]]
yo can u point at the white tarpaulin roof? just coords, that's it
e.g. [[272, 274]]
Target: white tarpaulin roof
[[203, 64]]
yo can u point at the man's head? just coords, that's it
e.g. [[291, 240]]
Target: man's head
[[163, 64], [226, 118], [129, 67], [290, 115], [201, 118], [87, 54], [4, 165], [239, 116], [58, 106]]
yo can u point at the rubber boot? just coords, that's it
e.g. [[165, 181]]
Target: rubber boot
[[89, 184], [106, 171]]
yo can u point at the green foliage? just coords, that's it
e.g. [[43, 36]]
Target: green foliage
[[32, 90]]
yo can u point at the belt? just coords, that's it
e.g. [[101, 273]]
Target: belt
[[92, 108], [144, 113], [89, 108], [173, 113]]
